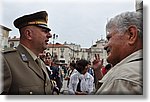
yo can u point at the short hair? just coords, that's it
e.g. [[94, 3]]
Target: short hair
[[73, 64], [81, 64], [122, 21]]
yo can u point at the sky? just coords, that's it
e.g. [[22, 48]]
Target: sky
[[81, 22]]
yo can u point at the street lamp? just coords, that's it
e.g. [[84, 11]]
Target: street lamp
[[54, 37]]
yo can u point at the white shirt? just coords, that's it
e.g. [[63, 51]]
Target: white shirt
[[87, 81], [48, 67]]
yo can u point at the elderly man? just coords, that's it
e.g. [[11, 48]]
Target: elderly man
[[24, 72], [124, 52]]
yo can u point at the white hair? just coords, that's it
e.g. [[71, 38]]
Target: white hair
[[122, 21]]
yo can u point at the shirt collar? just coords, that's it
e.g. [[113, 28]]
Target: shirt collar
[[30, 52], [135, 55]]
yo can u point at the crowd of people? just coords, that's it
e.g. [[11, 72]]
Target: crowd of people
[[27, 70], [72, 73], [78, 74]]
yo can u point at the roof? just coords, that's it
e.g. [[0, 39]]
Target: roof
[[5, 28], [13, 39], [57, 45]]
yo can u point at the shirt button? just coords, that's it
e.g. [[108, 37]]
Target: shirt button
[[31, 92], [45, 84]]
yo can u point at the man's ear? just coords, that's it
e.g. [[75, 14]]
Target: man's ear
[[132, 34], [28, 34]]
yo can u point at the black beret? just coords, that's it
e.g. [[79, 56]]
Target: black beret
[[38, 19]]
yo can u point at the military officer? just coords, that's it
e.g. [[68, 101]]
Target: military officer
[[23, 74]]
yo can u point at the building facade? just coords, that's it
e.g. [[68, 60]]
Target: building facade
[[98, 49], [13, 42], [4, 34], [72, 52]]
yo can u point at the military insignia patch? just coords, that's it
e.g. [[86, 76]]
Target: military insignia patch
[[24, 58]]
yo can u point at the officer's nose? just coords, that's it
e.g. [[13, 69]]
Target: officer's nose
[[49, 35]]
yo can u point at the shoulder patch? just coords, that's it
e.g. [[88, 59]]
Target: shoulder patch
[[9, 50]]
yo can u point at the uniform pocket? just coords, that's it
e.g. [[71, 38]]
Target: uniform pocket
[[31, 90]]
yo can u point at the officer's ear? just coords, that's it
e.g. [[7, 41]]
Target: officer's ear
[[132, 34], [28, 33]]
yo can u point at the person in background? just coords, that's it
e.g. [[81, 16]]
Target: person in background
[[51, 71], [71, 71], [81, 82], [42, 55], [64, 68], [124, 52], [105, 69], [24, 72], [57, 74], [90, 70]]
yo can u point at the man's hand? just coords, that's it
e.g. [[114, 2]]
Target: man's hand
[[97, 63]]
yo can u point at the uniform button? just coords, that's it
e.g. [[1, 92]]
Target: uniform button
[[45, 84], [31, 92]]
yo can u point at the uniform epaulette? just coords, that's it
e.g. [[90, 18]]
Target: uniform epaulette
[[9, 50]]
